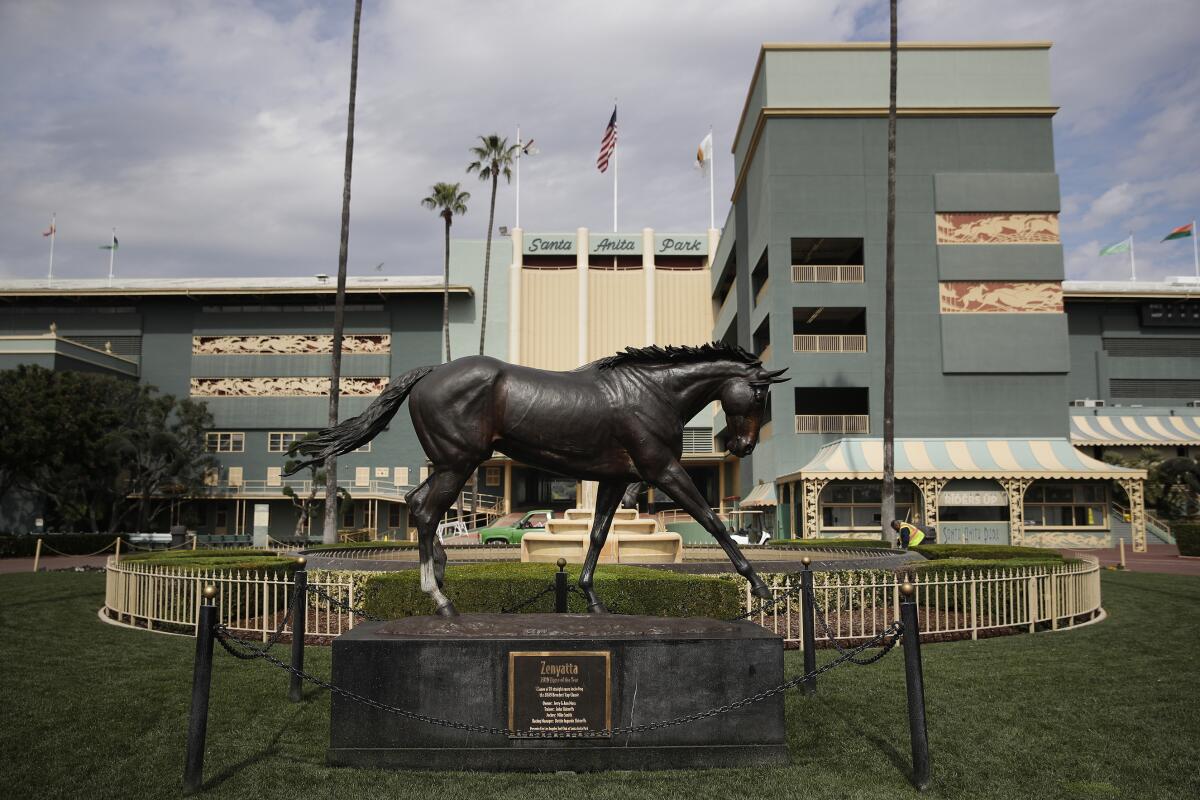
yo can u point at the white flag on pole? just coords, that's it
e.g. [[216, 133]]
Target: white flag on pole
[[704, 152]]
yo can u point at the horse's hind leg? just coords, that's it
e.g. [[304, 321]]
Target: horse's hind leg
[[429, 503]]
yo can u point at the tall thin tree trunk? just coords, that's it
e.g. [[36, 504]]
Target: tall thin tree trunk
[[329, 535], [487, 262], [446, 290], [888, 508]]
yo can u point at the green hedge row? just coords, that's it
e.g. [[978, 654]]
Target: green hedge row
[[809, 543], [76, 544], [991, 566], [384, 545], [243, 558], [482, 588], [988, 552], [1187, 537]]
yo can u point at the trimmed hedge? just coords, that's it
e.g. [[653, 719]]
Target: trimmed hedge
[[76, 544], [991, 566], [987, 552], [228, 559], [809, 543], [482, 588], [1187, 538], [384, 545]]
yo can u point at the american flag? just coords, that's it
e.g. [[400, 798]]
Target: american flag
[[608, 143]]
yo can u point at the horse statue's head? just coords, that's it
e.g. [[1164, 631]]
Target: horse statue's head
[[744, 400]]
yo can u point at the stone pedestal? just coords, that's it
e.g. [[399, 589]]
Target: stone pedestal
[[557, 672]]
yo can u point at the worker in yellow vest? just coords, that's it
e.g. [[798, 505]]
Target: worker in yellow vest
[[911, 535]]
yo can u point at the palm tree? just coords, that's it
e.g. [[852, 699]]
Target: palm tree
[[493, 158], [888, 508], [447, 199], [329, 534]]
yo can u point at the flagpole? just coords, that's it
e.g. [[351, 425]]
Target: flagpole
[[616, 147], [712, 209], [518, 188], [1132, 260], [53, 233], [1195, 253], [112, 253]]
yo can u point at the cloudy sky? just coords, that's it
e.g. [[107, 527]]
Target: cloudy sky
[[211, 133]]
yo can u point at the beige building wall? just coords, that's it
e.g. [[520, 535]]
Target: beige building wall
[[617, 313], [683, 313], [549, 318]]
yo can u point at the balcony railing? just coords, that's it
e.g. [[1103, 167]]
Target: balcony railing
[[827, 273], [833, 423], [829, 343]]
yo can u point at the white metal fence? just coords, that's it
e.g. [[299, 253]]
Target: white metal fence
[[856, 604], [833, 423], [248, 601], [957, 604]]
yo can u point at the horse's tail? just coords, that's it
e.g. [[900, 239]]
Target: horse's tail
[[357, 431]]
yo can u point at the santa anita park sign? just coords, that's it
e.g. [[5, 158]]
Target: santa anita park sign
[[615, 244]]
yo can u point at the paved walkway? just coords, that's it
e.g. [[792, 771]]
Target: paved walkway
[[1162, 558]]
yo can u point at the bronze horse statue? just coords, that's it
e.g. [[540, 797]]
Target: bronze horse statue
[[617, 421]]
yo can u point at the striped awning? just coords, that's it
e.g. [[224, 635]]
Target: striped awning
[[1128, 429], [959, 458], [761, 495]]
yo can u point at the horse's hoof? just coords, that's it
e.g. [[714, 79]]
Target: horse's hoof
[[447, 610], [761, 591], [597, 608]]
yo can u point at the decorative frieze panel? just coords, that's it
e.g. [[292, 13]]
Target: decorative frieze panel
[[1005, 297], [810, 512], [283, 387], [962, 228], [1137, 512], [289, 344]]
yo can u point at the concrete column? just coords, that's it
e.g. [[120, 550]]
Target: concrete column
[[581, 266], [648, 271], [514, 296], [714, 239]]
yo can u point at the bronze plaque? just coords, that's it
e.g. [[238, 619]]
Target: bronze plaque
[[564, 691]]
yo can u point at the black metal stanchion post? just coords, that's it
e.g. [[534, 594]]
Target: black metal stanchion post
[[915, 682], [560, 588], [808, 622], [206, 625], [299, 620]]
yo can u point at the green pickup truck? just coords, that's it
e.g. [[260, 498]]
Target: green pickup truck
[[510, 528]]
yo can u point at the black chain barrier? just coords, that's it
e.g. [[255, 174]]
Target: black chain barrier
[[247, 651], [259, 652]]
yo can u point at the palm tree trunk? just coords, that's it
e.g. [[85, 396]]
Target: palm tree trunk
[[487, 263], [888, 508], [329, 536], [446, 293]]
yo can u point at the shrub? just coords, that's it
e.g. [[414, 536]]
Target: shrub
[[499, 587], [1187, 537], [989, 552], [230, 559], [75, 544], [809, 543], [384, 545]]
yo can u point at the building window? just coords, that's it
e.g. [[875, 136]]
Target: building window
[[491, 476], [400, 476], [1066, 505], [394, 515], [822, 409], [221, 521], [348, 515], [857, 506], [281, 442], [225, 442], [827, 260]]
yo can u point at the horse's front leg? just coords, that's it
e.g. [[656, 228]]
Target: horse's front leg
[[608, 497], [674, 480]]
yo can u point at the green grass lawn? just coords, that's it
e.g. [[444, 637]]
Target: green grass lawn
[[1108, 711]]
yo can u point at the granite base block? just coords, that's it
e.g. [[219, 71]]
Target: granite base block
[[458, 669]]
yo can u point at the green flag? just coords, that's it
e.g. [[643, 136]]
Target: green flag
[[114, 246], [1118, 247]]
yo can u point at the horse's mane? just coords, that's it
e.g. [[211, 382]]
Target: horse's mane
[[678, 354]]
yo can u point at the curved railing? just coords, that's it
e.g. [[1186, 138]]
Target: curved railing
[[163, 598], [958, 604]]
